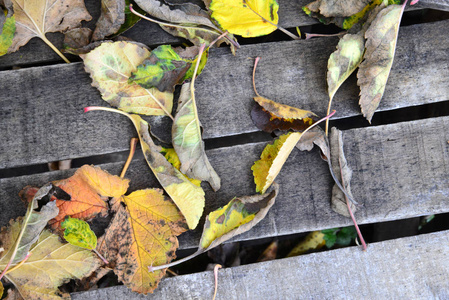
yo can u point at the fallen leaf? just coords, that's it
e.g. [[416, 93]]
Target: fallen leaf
[[172, 157], [269, 115], [270, 252], [380, 48], [188, 143], [111, 19], [77, 38], [142, 234], [167, 67], [36, 18], [130, 18], [78, 233], [339, 236], [50, 264], [240, 17], [110, 66], [272, 159], [337, 8], [2, 289], [7, 33], [313, 241], [343, 173]]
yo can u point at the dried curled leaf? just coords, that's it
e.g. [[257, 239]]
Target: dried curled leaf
[[380, 48], [110, 66], [78, 233], [76, 39], [51, 264], [269, 115], [272, 159], [140, 235], [240, 17], [111, 19]]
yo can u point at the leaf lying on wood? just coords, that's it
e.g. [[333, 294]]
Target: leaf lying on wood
[[130, 18], [140, 235], [7, 33], [172, 157], [238, 216], [110, 66], [380, 48], [36, 18], [50, 264], [111, 19], [78, 233], [167, 67], [240, 17], [337, 8], [76, 38], [188, 197]]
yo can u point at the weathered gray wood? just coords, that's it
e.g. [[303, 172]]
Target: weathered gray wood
[[407, 268], [36, 51], [41, 108], [400, 171]]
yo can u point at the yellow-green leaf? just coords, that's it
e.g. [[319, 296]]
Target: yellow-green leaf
[[7, 34], [172, 157], [272, 159], [313, 241], [240, 17], [78, 233], [110, 66]]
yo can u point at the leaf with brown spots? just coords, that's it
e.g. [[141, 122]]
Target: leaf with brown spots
[[143, 233]]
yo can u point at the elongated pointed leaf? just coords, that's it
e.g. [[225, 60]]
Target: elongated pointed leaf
[[272, 159], [173, 158], [380, 48], [78, 233], [188, 143]]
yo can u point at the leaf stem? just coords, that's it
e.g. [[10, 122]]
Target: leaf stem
[[100, 256], [326, 130], [277, 26], [44, 38], [19, 264], [198, 252], [254, 75], [132, 150], [160, 105], [312, 35], [217, 266]]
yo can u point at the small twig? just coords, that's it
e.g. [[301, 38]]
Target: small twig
[[277, 26], [19, 264], [132, 150], [254, 75], [217, 266], [171, 272], [312, 35], [100, 256], [152, 269]]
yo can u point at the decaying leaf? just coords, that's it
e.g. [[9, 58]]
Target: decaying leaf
[[313, 241], [167, 67], [343, 173], [77, 38], [380, 48], [240, 17], [269, 115], [272, 159], [78, 233], [172, 157], [110, 66], [130, 18], [270, 252], [188, 143], [337, 8], [140, 235], [111, 19], [50, 264]]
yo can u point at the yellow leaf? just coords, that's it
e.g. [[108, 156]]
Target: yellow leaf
[[313, 241], [240, 17], [172, 157]]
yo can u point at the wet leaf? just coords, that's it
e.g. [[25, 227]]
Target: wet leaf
[[50, 264], [188, 143], [7, 34], [36, 18], [272, 159], [167, 67], [110, 66], [140, 235], [172, 157], [313, 241], [111, 19], [269, 115], [380, 48], [78, 233], [240, 17]]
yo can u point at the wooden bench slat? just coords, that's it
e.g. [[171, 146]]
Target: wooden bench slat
[[407, 268], [399, 171], [41, 108]]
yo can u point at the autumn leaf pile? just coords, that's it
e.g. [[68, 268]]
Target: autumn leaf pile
[[141, 239]]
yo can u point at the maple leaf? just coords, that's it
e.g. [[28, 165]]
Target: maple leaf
[[50, 264], [142, 234], [110, 65], [246, 18], [34, 18]]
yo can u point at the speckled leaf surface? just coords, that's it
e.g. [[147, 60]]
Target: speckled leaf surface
[[78, 233]]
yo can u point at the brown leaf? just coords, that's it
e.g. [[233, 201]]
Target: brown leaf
[[77, 38], [111, 19], [337, 8]]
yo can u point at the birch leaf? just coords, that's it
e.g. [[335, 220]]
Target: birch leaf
[[188, 143], [380, 48], [269, 115], [110, 66], [51, 264], [111, 19], [272, 159], [238, 17], [36, 18], [78, 233]]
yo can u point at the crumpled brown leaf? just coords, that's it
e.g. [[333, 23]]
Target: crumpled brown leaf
[[111, 19]]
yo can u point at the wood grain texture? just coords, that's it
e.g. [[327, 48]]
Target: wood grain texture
[[407, 268], [400, 171], [41, 108]]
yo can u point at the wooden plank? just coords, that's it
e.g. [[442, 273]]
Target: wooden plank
[[36, 51], [407, 268], [399, 171], [41, 111]]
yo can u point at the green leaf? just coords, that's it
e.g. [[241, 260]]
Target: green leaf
[[7, 34], [380, 48], [272, 159], [78, 233], [188, 143], [130, 18], [330, 236], [240, 17], [345, 236]]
